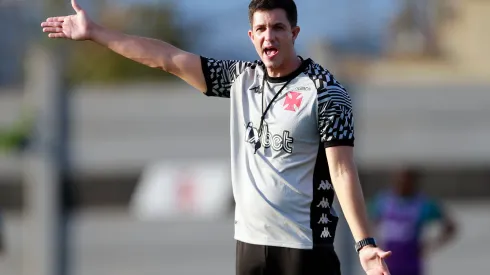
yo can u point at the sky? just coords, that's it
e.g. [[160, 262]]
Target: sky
[[226, 22]]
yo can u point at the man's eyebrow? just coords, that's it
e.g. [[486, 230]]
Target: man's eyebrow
[[278, 24]]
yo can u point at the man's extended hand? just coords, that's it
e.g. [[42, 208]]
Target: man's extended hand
[[372, 260], [75, 27]]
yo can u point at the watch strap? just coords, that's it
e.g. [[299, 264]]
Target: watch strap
[[365, 242]]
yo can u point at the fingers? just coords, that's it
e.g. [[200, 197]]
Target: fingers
[[52, 29], [386, 271], [53, 21], [56, 19], [75, 6], [384, 254], [57, 35], [52, 24]]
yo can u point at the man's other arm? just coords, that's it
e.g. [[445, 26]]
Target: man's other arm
[[150, 52], [153, 53], [336, 128], [435, 212], [345, 179]]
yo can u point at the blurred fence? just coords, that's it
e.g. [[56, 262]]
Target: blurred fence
[[149, 161], [130, 143], [117, 131], [139, 152]]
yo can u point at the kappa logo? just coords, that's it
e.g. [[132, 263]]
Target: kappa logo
[[293, 100], [325, 185], [256, 89], [323, 203], [324, 219], [325, 233]]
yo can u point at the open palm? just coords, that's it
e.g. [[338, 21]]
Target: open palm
[[372, 261], [75, 27]]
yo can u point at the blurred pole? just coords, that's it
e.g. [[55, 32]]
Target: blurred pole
[[40, 168], [46, 169]]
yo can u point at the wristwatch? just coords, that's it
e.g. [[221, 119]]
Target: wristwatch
[[364, 242]]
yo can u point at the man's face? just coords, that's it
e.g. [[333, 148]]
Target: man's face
[[273, 37], [406, 185]]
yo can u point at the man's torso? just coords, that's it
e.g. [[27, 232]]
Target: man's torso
[[283, 192], [401, 222]]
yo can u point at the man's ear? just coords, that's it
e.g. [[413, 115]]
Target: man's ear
[[295, 31], [251, 35]]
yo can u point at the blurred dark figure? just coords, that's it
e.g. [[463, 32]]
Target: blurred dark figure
[[401, 214]]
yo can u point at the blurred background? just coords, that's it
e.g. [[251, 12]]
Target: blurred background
[[109, 167]]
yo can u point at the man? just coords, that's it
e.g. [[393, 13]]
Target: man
[[292, 138], [401, 215]]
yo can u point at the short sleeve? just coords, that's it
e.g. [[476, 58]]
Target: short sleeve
[[374, 207], [432, 211], [335, 116], [221, 74]]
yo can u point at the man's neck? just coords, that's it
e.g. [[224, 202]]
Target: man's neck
[[286, 69]]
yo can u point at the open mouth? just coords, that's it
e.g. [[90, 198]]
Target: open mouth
[[271, 51]]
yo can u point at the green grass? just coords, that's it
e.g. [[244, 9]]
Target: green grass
[[14, 137]]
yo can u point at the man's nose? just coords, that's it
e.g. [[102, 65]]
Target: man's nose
[[269, 35]]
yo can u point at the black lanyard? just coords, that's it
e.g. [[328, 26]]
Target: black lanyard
[[258, 144]]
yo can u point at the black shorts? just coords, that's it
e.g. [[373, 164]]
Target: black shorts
[[271, 260]]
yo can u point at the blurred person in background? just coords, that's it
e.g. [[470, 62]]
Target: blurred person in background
[[291, 148], [400, 216]]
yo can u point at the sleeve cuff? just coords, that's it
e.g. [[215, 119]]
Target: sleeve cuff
[[207, 76], [343, 142]]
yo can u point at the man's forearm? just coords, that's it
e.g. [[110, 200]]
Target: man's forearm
[[150, 52], [444, 237], [351, 199]]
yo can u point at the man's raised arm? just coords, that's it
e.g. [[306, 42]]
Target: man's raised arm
[[150, 52]]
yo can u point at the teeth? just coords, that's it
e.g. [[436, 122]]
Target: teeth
[[269, 51]]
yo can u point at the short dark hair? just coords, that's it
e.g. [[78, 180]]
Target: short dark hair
[[266, 5], [410, 173]]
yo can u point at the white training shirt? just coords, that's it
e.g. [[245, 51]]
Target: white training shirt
[[282, 192]]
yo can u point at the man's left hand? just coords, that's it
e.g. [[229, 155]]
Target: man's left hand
[[372, 260]]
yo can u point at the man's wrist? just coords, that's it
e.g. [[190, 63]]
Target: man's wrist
[[93, 32], [365, 242], [364, 247]]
